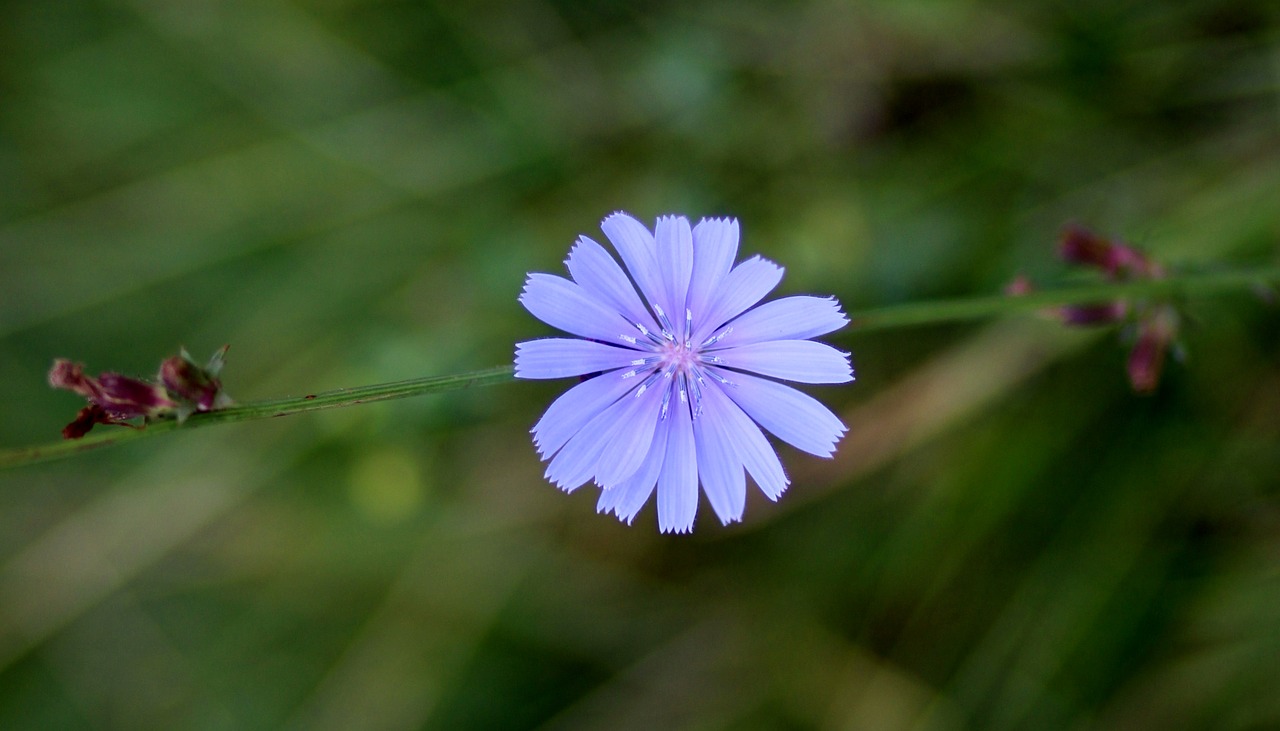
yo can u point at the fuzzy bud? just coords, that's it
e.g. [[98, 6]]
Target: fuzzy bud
[[1091, 315], [195, 384], [126, 397], [1146, 360], [183, 389], [1079, 245]]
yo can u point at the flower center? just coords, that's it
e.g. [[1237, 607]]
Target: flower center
[[676, 360], [677, 357]]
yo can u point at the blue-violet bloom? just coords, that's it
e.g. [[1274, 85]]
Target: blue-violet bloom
[[669, 399]]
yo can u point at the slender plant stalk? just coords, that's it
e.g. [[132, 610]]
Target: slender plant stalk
[[976, 308], [881, 318], [259, 410]]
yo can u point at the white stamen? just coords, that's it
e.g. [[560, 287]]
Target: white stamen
[[717, 337], [647, 383], [721, 379], [665, 322]]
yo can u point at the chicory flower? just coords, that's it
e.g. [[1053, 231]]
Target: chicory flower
[[681, 375]]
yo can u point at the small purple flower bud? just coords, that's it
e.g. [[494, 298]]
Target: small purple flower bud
[[112, 397], [86, 419], [1146, 360], [1156, 325], [1129, 261], [1074, 315], [70, 376], [1088, 315], [184, 389], [1079, 245], [193, 383], [121, 397], [125, 397], [1021, 285]]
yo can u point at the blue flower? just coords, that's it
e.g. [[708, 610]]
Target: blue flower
[[675, 403]]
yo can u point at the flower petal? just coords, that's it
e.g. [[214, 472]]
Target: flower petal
[[575, 407], [563, 357], [674, 240], [678, 480], [579, 459], [575, 463], [790, 318], [751, 448], [719, 466], [715, 244], [598, 273], [794, 417], [636, 246], [564, 305], [804, 361], [629, 445], [627, 499], [745, 285]]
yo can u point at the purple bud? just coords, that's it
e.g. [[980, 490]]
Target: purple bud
[[112, 397], [197, 386], [70, 377], [85, 420], [1021, 285], [1087, 315], [124, 397], [1079, 245], [189, 382], [1129, 261], [1146, 360]]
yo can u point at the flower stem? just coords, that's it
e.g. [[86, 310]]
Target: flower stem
[[259, 410], [880, 318], [975, 308]]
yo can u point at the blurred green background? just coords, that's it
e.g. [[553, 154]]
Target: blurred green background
[[351, 191]]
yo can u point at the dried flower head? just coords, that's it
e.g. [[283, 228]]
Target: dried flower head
[[1156, 334], [184, 388], [1155, 323], [196, 387], [1119, 261], [119, 397]]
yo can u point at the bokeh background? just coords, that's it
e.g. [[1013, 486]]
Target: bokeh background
[[351, 191]]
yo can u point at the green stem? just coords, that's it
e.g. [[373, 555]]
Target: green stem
[[976, 308], [881, 318], [259, 410]]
